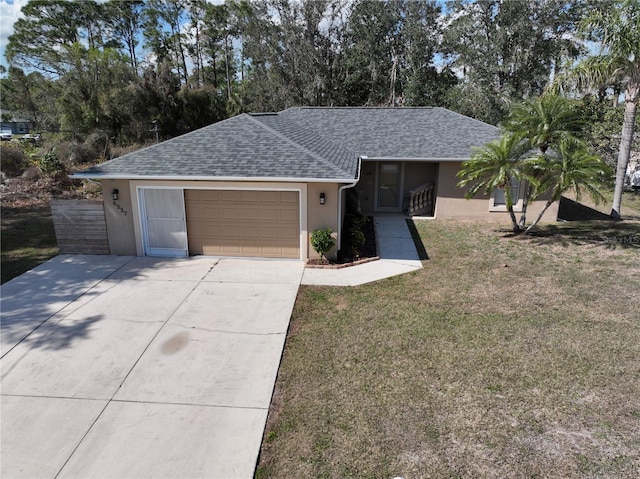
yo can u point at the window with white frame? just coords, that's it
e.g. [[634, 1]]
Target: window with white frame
[[499, 200]]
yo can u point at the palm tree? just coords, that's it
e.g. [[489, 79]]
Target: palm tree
[[494, 166], [617, 27], [570, 166], [545, 121]]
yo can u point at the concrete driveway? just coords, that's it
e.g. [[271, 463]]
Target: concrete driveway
[[121, 367]]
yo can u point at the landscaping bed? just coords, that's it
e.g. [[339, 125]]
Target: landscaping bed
[[356, 249]]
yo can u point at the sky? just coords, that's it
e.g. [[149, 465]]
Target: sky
[[9, 13]]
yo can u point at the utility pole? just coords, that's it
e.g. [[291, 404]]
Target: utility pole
[[155, 128]]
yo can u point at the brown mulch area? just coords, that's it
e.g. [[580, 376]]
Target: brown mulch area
[[31, 193]]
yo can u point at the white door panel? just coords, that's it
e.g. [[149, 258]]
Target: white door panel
[[163, 222]]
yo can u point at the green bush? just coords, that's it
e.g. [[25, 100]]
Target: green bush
[[357, 241], [322, 241], [356, 235], [72, 153], [50, 164], [13, 161]]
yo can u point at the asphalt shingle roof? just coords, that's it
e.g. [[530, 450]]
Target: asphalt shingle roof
[[403, 133], [303, 143]]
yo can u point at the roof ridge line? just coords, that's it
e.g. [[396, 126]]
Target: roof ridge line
[[298, 145], [390, 108]]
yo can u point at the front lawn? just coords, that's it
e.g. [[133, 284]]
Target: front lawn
[[503, 357], [28, 239]]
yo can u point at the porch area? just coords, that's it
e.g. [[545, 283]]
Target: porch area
[[407, 187]]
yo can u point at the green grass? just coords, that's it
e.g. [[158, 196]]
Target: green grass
[[28, 239], [503, 357]]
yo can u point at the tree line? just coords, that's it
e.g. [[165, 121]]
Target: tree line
[[131, 70], [115, 67]]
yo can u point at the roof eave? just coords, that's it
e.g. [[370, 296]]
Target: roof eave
[[404, 158], [209, 178]]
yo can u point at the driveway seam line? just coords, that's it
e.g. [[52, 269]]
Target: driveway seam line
[[123, 380], [53, 397], [222, 406], [247, 333], [81, 439]]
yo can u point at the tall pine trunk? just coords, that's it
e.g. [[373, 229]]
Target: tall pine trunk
[[226, 64], [628, 124]]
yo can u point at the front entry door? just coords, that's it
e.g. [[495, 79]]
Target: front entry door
[[389, 187], [163, 222]]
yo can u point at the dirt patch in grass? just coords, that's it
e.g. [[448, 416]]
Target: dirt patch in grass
[[503, 357]]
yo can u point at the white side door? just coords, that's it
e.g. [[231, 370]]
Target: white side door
[[164, 225]]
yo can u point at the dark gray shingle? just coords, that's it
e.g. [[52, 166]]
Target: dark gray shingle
[[422, 132], [304, 143]]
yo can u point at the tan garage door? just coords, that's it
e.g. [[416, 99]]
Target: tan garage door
[[243, 223]]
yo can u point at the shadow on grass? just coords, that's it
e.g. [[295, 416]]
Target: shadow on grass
[[597, 233], [422, 251]]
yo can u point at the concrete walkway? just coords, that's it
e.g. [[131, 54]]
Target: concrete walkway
[[397, 251], [141, 367]]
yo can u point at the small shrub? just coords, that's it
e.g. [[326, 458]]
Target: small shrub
[[322, 241], [32, 173], [357, 241], [98, 145], [13, 161], [356, 235], [50, 164], [71, 153]]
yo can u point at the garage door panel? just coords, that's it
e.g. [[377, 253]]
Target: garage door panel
[[269, 215], [289, 197], [243, 223], [289, 215], [250, 214], [290, 233], [250, 196], [207, 213], [270, 196]]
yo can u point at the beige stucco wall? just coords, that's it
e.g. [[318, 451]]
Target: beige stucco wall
[[120, 229], [322, 216], [451, 204], [125, 232], [417, 174]]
